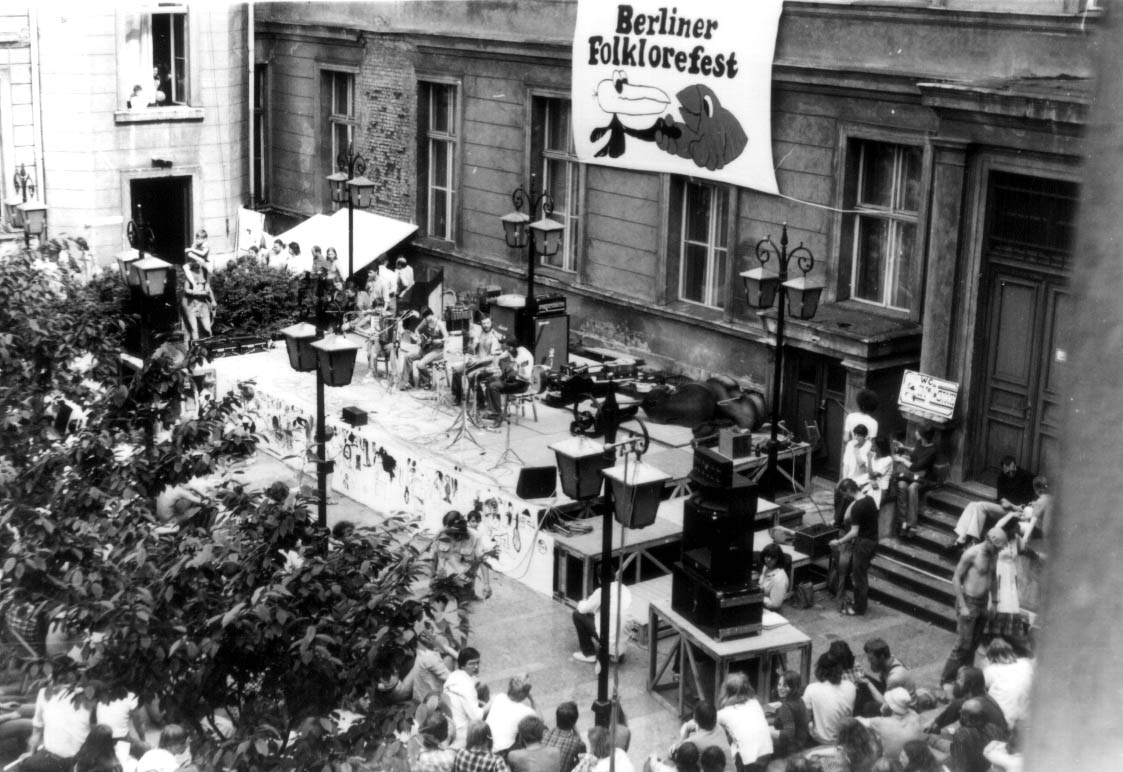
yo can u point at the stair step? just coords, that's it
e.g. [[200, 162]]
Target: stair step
[[949, 499], [939, 614], [933, 562], [939, 519], [910, 578]]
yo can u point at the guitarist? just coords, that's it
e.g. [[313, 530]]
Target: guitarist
[[431, 335], [484, 346], [515, 364]]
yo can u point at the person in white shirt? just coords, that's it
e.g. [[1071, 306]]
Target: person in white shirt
[[742, 718], [171, 755], [867, 403], [515, 365], [461, 695], [829, 700], [880, 469], [855, 466], [507, 710], [774, 581], [1009, 679], [586, 618], [61, 721], [404, 277]]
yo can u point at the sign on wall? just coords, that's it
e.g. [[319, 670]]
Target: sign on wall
[[685, 90], [927, 398]]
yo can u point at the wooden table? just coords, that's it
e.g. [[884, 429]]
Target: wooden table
[[753, 466], [703, 654]]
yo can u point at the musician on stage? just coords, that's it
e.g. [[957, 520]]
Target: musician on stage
[[480, 361], [515, 364], [431, 335], [378, 324]]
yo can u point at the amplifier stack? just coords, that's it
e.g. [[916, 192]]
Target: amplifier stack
[[713, 585]]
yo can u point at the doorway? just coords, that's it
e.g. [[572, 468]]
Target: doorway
[[1022, 344], [166, 203], [820, 396]]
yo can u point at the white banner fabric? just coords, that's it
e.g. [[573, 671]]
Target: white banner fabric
[[685, 90]]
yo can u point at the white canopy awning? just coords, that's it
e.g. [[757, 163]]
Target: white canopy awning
[[374, 235]]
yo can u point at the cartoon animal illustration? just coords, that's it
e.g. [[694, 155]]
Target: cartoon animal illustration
[[709, 135], [631, 108]]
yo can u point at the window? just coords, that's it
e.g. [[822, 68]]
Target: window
[[882, 235], [703, 224], [436, 169], [155, 55], [339, 93], [260, 135], [552, 151]]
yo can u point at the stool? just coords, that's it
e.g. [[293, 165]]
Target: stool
[[520, 401]]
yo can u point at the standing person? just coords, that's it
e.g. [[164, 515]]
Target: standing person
[[791, 732], [586, 619], [973, 582], [431, 334], [1007, 620], [829, 700], [199, 252], [1015, 491], [276, 255], [742, 718], [319, 264], [476, 756], [532, 755], [863, 538], [507, 710], [855, 466], [59, 727], [564, 736], [198, 305], [919, 463], [868, 401], [460, 560], [331, 265], [292, 258], [461, 694], [404, 280]]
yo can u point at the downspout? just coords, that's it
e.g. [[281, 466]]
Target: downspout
[[37, 105], [250, 57]]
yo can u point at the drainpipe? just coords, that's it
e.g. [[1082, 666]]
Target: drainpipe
[[37, 104]]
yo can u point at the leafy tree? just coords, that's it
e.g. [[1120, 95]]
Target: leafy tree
[[232, 607], [254, 298]]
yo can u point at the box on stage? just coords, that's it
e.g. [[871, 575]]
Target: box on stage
[[735, 442], [354, 416], [721, 613], [814, 539]]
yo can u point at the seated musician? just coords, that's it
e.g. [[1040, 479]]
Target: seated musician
[[484, 346], [376, 322], [431, 336], [515, 364]]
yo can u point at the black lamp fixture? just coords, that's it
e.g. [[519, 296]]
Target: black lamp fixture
[[332, 357], [583, 465], [34, 217], [762, 287], [540, 238], [24, 186], [351, 187]]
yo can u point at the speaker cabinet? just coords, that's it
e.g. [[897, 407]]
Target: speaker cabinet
[[716, 544], [551, 340], [722, 613], [536, 482]]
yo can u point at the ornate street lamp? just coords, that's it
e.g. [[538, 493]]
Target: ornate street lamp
[[24, 185], [333, 359], [354, 189], [34, 217], [540, 238], [762, 287]]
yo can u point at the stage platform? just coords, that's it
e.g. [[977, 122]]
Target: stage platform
[[411, 458]]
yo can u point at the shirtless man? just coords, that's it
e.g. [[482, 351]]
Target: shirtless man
[[975, 587]]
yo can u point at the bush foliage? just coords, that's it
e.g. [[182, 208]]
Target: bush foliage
[[231, 606], [254, 298]]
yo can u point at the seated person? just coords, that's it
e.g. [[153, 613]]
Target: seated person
[[919, 462], [586, 618], [515, 364], [1015, 491], [897, 724], [885, 674], [704, 732], [532, 755], [880, 470], [969, 684], [431, 335], [774, 578], [507, 711], [484, 347]]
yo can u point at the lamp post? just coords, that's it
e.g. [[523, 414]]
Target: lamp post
[[544, 240], [333, 359], [636, 491], [148, 278], [353, 188], [762, 286]]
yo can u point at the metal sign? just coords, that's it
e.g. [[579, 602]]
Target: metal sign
[[927, 398]]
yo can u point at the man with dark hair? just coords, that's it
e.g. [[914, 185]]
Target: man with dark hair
[[704, 732], [1015, 490], [886, 672], [829, 700], [515, 364], [920, 463], [861, 540], [461, 694], [431, 334], [969, 684], [564, 736], [533, 756]]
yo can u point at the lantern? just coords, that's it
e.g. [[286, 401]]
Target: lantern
[[761, 286], [298, 341], [580, 461], [336, 357], [637, 489]]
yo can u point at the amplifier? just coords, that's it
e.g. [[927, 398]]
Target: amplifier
[[717, 543], [711, 468], [814, 540], [721, 613], [550, 305], [458, 318], [735, 443]]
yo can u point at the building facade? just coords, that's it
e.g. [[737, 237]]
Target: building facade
[[928, 154], [123, 109]]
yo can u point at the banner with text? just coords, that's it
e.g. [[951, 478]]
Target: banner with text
[[685, 90]]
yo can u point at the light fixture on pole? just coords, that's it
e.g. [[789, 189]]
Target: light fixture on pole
[[333, 359], [762, 287], [150, 274], [34, 217], [351, 187], [22, 180], [540, 238]]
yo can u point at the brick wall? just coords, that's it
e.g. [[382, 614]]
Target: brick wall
[[387, 108]]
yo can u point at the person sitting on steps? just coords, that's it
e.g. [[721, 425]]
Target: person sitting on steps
[[920, 462]]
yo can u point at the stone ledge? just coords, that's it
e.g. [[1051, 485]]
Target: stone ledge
[[159, 115]]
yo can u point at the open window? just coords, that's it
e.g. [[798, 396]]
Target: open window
[[156, 58]]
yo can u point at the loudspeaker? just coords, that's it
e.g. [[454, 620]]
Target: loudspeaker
[[503, 320], [537, 482], [717, 544], [721, 613], [551, 340]]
